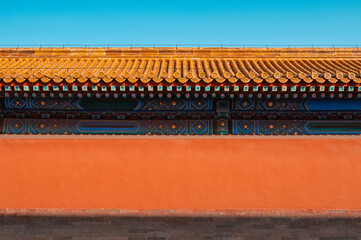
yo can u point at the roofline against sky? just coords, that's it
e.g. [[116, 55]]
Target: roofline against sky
[[170, 52]]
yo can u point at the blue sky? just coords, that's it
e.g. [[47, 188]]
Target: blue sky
[[241, 22]]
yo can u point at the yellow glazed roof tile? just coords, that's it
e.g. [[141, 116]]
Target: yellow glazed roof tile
[[170, 65]]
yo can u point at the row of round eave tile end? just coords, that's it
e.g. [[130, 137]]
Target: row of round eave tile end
[[9, 77]]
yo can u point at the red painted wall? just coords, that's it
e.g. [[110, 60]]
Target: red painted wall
[[181, 173]]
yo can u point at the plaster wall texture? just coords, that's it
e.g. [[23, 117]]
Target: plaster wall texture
[[194, 174]]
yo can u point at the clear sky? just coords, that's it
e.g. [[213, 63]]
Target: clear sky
[[241, 22]]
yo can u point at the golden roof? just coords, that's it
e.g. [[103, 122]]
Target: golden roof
[[180, 65]]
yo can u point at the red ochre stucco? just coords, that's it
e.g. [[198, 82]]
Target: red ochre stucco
[[196, 174]]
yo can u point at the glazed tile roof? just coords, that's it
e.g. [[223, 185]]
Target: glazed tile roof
[[180, 65]]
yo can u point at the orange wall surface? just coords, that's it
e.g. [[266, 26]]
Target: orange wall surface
[[180, 173]]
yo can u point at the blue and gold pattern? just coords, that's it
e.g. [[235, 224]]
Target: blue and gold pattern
[[245, 104], [243, 127], [42, 103], [180, 127], [141, 127], [51, 126], [222, 126], [280, 104], [295, 127], [199, 104], [180, 104], [195, 104], [200, 127], [16, 126], [169, 115], [162, 104], [281, 127]]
